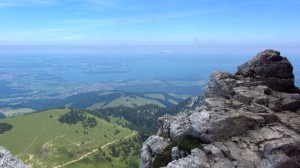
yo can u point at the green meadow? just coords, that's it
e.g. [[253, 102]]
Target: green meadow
[[40, 140], [131, 101]]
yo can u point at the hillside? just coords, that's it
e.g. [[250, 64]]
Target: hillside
[[40, 140], [71, 137], [143, 118], [249, 119]]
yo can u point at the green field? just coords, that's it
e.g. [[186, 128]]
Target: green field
[[40, 140], [8, 112], [130, 101]]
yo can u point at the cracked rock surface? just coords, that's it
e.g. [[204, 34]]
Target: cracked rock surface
[[8, 161], [250, 119]]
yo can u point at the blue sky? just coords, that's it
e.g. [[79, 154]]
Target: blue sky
[[150, 22]]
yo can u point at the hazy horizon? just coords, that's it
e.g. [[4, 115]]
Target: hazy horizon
[[209, 25]]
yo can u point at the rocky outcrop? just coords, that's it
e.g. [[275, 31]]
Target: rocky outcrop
[[197, 159], [270, 69], [190, 104], [250, 119], [152, 147], [8, 161]]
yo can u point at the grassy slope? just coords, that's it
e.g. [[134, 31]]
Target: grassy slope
[[162, 97], [131, 101], [156, 96], [40, 140], [99, 159]]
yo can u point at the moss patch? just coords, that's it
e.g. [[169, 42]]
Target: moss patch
[[186, 143]]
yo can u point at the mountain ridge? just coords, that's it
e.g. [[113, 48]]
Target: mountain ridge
[[248, 119], [92, 101]]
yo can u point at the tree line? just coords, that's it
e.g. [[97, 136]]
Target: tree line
[[75, 116], [141, 118], [5, 127]]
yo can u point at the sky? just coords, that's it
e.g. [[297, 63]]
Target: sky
[[151, 22]]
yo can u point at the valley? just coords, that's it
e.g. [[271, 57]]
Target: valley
[[74, 112]]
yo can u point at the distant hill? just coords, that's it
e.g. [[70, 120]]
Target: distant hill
[[95, 100], [144, 118], [189, 104]]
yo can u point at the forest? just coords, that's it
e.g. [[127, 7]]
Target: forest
[[142, 118], [75, 116], [5, 127]]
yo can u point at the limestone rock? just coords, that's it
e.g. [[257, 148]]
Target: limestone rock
[[8, 161], [154, 145], [178, 128], [164, 122], [250, 119], [271, 67], [197, 159], [175, 153], [220, 85]]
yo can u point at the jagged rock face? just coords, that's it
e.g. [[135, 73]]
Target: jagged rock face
[[245, 120], [220, 85], [8, 161], [271, 67]]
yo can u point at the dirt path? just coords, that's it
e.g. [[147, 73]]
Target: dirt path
[[93, 151]]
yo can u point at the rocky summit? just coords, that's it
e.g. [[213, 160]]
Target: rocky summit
[[8, 161], [250, 119]]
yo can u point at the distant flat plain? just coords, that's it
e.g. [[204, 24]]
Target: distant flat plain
[[37, 75]]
